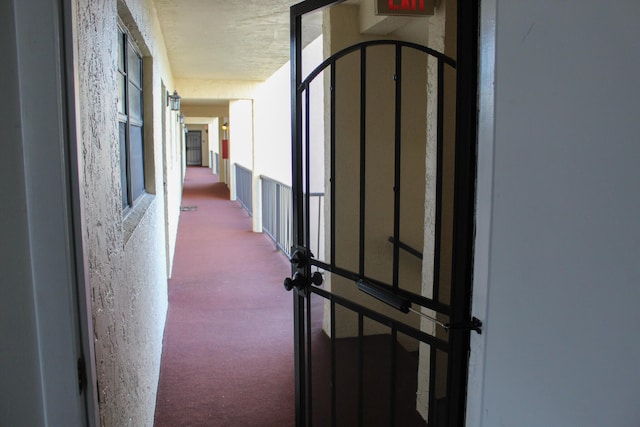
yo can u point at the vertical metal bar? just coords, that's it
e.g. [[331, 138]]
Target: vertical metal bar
[[397, 155], [249, 191], [270, 213], [332, 155], [265, 206], [432, 421], [296, 160], [296, 131], [285, 218], [307, 165], [273, 201], [288, 230], [464, 204], [363, 156], [309, 365], [334, 409], [320, 199], [360, 370], [394, 376], [239, 184], [299, 358], [279, 212], [439, 178], [274, 215]]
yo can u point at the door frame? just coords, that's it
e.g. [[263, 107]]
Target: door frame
[[464, 200], [466, 159], [186, 142], [51, 372]]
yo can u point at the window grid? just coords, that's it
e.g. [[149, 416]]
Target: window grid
[[130, 117]]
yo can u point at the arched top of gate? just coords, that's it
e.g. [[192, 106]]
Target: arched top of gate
[[441, 57]]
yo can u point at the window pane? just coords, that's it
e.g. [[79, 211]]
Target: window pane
[[137, 161], [134, 66], [123, 163], [122, 81], [135, 104], [120, 50]]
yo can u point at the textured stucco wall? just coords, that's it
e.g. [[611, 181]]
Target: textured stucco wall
[[126, 257], [441, 37]]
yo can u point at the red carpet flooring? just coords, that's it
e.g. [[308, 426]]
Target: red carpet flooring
[[228, 352], [227, 358]]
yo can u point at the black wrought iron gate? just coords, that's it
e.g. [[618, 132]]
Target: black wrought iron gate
[[194, 148], [381, 329]]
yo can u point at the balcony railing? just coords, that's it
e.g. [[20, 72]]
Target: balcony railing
[[277, 219], [276, 213], [244, 183], [216, 163]]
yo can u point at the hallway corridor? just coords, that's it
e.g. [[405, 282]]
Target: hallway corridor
[[227, 355]]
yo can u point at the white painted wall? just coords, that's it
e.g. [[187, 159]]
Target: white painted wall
[[240, 137], [173, 177], [216, 89], [557, 279], [312, 56], [241, 132], [272, 125], [272, 106]]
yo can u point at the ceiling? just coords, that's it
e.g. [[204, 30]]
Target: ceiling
[[228, 40]]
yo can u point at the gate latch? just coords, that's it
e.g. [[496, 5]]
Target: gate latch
[[300, 281]]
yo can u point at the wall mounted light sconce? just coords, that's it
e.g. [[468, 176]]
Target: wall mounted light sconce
[[225, 126], [186, 130], [182, 118], [173, 101]]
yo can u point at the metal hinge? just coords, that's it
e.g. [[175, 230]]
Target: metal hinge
[[474, 325]]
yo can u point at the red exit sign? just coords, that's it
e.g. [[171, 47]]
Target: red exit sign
[[404, 7]]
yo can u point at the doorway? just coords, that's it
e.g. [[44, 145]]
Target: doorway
[[194, 148], [391, 298]]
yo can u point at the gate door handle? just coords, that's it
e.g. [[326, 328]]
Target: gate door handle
[[297, 281], [395, 301], [404, 305]]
